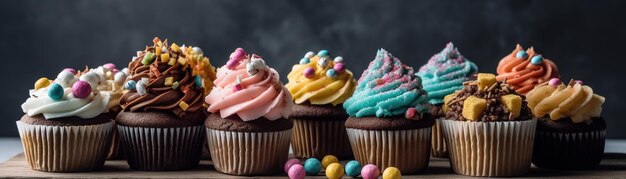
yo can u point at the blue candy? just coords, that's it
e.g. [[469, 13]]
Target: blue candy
[[198, 81], [536, 60], [130, 85], [312, 166], [353, 168], [55, 91], [304, 61], [322, 53], [521, 55], [331, 73]]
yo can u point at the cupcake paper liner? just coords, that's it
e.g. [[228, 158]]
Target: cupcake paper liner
[[439, 148], [65, 148], [114, 150], [318, 138], [407, 150], [248, 153], [573, 151], [161, 149], [492, 149]]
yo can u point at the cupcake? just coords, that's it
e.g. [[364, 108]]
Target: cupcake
[[162, 113], [489, 129], [389, 125], [523, 70], [444, 73], [319, 86], [570, 130], [248, 131], [67, 126]]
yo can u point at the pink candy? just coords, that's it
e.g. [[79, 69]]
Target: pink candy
[[110, 66], [370, 171], [309, 72], [554, 82], [579, 82], [71, 70], [81, 89], [296, 172], [237, 87], [235, 58], [290, 163], [339, 67], [410, 113]]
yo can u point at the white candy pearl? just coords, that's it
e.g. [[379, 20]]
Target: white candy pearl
[[145, 81], [101, 71], [338, 59], [119, 78], [125, 71], [65, 79], [309, 54], [255, 66], [92, 78], [164, 50], [323, 62], [141, 89], [197, 51]]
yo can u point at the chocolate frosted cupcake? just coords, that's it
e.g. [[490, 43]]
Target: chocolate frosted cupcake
[[67, 126], [248, 132], [523, 70], [444, 73], [319, 86], [161, 122], [388, 125], [570, 131], [489, 129]]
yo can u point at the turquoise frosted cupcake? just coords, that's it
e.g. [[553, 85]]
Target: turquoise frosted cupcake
[[444, 73]]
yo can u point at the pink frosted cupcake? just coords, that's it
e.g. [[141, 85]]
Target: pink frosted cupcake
[[248, 132]]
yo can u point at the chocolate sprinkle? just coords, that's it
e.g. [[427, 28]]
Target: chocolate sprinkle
[[495, 111]]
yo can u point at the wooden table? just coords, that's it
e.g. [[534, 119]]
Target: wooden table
[[613, 166]]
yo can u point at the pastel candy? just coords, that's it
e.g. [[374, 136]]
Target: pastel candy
[[322, 62], [71, 70], [304, 61], [521, 55], [81, 89], [42, 83], [331, 73], [339, 67], [338, 59], [334, 171], [130, 85], [579, 82], [312, 166], [309, 54], [296, 171], [55, 92], [235, 58], [370, 171], [119, 78], [353, 168], [329, 159], [554, 82], [141, 89], [290, 163], [392, 173], [125, 71], [92, 78], [255, 66], [197, 51], [148, 58], [198, 81], [309, 72], [322, 53], [536, 60], [110, 66], [65, 78]]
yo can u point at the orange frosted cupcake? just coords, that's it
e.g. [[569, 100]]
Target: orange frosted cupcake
[[524, 70]]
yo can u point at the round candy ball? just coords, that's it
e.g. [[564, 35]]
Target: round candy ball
[[42, 83], [81, 89], [392, 173], [304, 60], [554, 82], [56, 91], [296, 171], [198, 81], [130, 85], [290, 163], [339, 67], [334, 171], [536, 60], [309, 54], [322, 53], [71, 70], [329, 159], [353, 168], [521, 55], [312, 166], [110, 66], [309, 72], [370, 171], [331, 73]]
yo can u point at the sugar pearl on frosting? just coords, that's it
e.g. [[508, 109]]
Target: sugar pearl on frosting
[[296, 172], [119, 78], [110, 66], [235, 58], [125, 71], [198, 81], [322, 53], [290, 163], [309, 54], [81, 89], [554, 82], [339, 67], [309, 72], [55, 91], [410, 113], [71, 70], [322, 62], [338, 59], [42, 83], [130, 85], [141, 89], [65, 78], [197, 51], [536, 60], [304, 61], [331, 73], [521, 55], [579, 82], [254, 66], [370, 171], [92, 78]]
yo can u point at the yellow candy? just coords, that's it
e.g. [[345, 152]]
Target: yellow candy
[[446, 100], [169, 81], [182, 60], [165, 57], [334, 171], [329, 159], [183, 105], [172, 62], [473, 107], [485, 80], [513, 103], [392, 173], [175, 47], [157, 51], [42, 83]]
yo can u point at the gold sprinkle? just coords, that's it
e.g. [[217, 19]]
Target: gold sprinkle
[[175, 85], [169, 81], [172, 62], [182, 60], [165, 57], [183, 105]]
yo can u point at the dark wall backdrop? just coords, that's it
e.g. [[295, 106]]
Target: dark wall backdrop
[[585, 38]]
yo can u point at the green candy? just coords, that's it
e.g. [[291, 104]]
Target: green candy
[[148, 58]]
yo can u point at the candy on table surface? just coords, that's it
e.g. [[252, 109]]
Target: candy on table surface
[[296, 171], [175, 47], [169, 81], [130, 85], [446, 100], [183, 105], [353, 168], [334, 171], [182, 60], [81, 89], [147, 58], [473, 107], [290, 163], [329, 159], [165, 57], [309, 72], [485, 80], [513, 103], [175, 85], [370, 171], [536, 60], [392, 173], [312, 166], [42, 83], [55, 91], [141, 89]]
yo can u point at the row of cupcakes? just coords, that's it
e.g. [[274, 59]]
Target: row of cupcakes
[[174, 101]]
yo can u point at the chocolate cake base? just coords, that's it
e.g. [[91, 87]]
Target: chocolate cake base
[[234, 123], [67, 121], [390, 123], [319, 130]]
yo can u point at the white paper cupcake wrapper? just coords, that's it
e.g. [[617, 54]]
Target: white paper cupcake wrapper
[[162, 149], [579, 150], [318, 138], [492, 149], [407, 150], [439, 148], [248, 153], [65, 148]]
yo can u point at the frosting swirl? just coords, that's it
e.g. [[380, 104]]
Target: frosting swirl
[[57, 99], [320, 81], [245, 86], [111, 81], [387, 88], [445, 73], [558, 101], [523, 70], [161, 79], [201, 66]]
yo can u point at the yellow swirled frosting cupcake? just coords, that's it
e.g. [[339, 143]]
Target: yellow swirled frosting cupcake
[[319, 84]]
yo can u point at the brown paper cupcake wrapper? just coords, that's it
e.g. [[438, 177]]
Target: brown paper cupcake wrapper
[[318, 138], [248, 153], [492, 149], [114, 150], [407, 150], [65, 148], [439, 148], [161, 149], [571, 151]]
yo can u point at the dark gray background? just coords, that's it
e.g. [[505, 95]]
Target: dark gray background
[[585, 38]]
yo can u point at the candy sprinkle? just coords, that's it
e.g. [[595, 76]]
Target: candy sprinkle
[[42, 83], [183, 105]]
